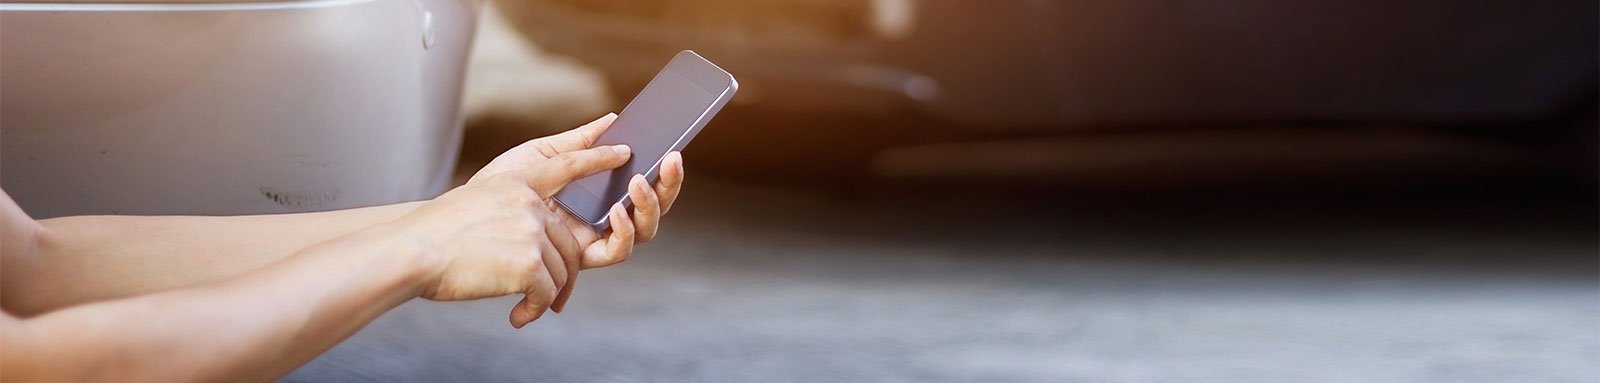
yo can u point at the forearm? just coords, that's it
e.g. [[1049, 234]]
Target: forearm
[[93, 258], [258, 326]]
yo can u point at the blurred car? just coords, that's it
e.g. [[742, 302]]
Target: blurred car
[[973, 70]]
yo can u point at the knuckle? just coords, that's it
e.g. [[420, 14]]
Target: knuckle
[[651, 197], [547, 296], [530, 267], [533, 223], [517, 197], [544, 147], [566, 161], [621, 254], [648, 203], [536, 201]]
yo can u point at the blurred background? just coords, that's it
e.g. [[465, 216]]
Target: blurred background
[[1103, 191]]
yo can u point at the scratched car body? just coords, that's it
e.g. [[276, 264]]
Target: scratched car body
[[229, 107]]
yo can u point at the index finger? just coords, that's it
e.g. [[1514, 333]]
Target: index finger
[[549, 176], [579, 138]]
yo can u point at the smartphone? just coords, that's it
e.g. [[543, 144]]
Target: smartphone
[[668, 113]]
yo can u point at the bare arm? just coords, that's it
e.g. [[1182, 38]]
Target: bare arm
[[95, 258], [260, 325]]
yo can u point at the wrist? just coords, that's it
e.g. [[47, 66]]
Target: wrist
[[404, 256], [423, 267]]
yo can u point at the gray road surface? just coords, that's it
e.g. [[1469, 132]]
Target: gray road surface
[[762, 284]]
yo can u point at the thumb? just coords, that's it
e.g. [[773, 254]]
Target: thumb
[[549, 176], [525, 312]]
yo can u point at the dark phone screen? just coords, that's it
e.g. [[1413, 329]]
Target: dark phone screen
[[650, 125]]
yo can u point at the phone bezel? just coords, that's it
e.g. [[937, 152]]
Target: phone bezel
[[697, 70]]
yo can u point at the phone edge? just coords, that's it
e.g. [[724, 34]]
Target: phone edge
[[654, 173]]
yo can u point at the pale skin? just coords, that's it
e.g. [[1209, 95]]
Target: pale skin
[[107, 298]]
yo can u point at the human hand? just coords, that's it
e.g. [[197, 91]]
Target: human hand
[[497, 235], [649, 202]]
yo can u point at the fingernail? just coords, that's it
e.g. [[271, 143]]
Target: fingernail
[[621, 149], [639, 182]]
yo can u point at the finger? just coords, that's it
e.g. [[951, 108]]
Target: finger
[[553, 264], [671, 182], [578, 138], [617, 246], [646, 209], [580, 229], [535, 301], [560, 303], [571, 256], [566, 242], [550, 176]]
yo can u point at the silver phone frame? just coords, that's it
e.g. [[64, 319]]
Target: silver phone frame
[[653, 173]]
